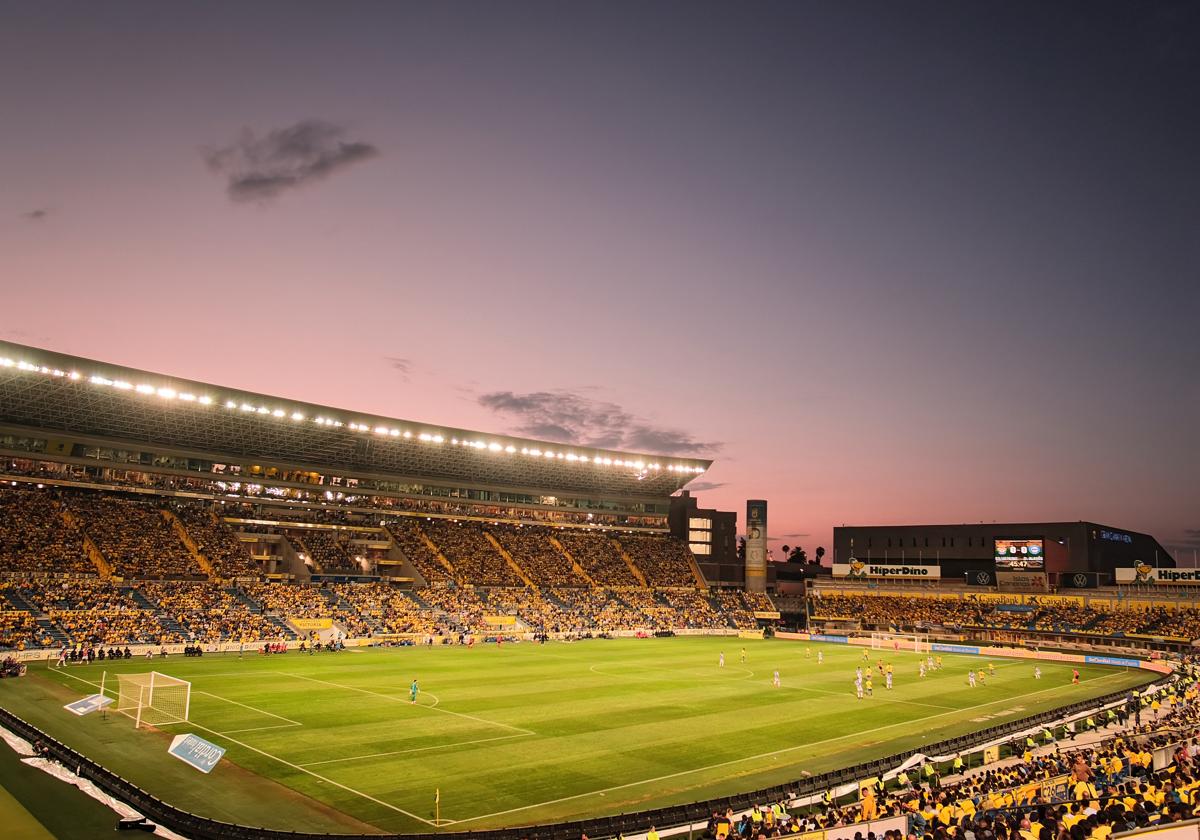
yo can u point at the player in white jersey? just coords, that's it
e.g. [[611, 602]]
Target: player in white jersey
[[1037, 672], [922, 669], [775, 681], [721, 662], [820, 657], [887, 680], [971, 678], [858, 673], [858, 688], [62, 658]]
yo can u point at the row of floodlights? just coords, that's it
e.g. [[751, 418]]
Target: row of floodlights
[[382, 431]]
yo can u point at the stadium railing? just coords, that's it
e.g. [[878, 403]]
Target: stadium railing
[[203, 828]]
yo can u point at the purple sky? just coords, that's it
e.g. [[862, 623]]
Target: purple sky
[[887, 263]]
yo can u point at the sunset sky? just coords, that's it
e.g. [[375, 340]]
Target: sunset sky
[[885, 262]]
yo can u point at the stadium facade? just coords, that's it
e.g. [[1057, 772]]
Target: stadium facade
[[105, 423], [1073, 554]]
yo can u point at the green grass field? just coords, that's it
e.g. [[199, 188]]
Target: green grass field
[[528, 733]]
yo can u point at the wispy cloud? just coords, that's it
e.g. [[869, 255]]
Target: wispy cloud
[[1190, 540], [701, 486], [261, 168], [38, 215], [402, 366], [570, 417]]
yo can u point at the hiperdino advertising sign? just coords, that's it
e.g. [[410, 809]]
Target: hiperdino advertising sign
[[866, 569], [1144, 573]]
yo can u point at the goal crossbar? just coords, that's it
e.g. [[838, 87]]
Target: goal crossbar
[[918, 642], [153, 698]]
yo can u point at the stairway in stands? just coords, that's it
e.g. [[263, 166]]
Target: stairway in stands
[[250, 603], [53, 631], [18, 601], [141, 600], [189, 543]]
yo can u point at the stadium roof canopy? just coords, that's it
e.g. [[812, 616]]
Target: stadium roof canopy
[[55, 394]]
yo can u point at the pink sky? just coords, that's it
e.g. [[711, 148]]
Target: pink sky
[[886, 303]]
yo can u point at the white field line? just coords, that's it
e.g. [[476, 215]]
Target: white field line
[[286, 763], [805, 746], [659, 674], [418, 749], [406, 702], [263, 728], [289, 721]]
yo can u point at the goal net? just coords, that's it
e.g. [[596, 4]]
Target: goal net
[[918, 642], [153, 699]]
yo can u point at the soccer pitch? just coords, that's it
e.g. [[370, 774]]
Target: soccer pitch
[[529, 733]]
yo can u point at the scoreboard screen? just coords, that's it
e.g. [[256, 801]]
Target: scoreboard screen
[[1024, 553]]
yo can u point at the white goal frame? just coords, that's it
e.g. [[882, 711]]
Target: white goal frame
[[153, 698], [917, 642]]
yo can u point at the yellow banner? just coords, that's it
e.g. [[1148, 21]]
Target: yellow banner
[[310, 623], [500, 620], [750, 634], [1056, 599], [991, 755], [996, 598], [766, 614]]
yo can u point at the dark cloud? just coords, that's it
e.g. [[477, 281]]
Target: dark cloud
[[701, 486], [260, 168], [400, 365], [794, 536], [568, 417], [1191, 539], [36, 215]]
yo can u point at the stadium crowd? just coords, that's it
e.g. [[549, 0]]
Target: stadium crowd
[[599, 557], [1044, 614], [133, 536], [476, 561], [34, 536], [218, 542], [1048, 790]]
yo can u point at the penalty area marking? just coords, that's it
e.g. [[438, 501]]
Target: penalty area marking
[[718, 765], [305, 770], [418, 749], [396, 699], [657, 674]]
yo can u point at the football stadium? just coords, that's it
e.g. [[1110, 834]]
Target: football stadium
[[227, 614]]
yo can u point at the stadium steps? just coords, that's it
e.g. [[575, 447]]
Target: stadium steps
[[633, 569], [302, 548], [412, 595], [18, 601], [250, 603], [437, 552], [701, 583], [190, 544], [579, 570], [508, 558], [103, 567], [284, 629], [142, 601], [52, 630]]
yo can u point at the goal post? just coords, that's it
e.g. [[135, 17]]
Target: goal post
[[918, 642], [153, 699]]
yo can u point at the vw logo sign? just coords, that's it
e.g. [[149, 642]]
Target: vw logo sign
[[983, 578], [1081, 581]]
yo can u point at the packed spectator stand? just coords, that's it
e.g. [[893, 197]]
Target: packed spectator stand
[[1027, 614], [115, 569]]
